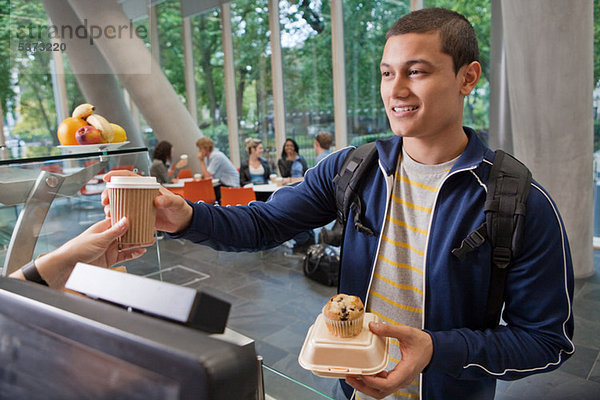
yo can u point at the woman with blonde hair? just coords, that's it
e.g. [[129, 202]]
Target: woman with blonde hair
[[256, 169]]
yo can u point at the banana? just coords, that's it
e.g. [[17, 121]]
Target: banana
[[83, 111], [99, 122]]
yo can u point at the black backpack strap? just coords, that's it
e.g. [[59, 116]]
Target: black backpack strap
[[347, 183], [505, 207]]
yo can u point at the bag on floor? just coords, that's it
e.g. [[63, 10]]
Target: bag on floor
[[322, 264]]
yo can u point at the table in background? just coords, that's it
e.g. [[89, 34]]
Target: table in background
[[264, 191]]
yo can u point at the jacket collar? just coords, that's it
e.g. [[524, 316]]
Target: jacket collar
[[390, 148]]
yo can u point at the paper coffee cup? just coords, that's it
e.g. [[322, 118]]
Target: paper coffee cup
[[197, 177], [133, 197]]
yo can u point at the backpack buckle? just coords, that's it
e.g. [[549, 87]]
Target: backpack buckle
[[475, 239], [501, 257]]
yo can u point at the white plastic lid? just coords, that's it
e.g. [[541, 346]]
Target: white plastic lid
[[184, 156], [330, 356], [132, 182]]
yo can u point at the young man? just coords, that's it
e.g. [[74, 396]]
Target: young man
[[425, 195], [322, 145]]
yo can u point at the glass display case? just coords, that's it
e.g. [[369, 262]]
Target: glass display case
[[49, 197]]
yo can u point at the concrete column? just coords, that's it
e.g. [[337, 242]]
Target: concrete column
[[549, 58], [500, 134], [339, 74], [230, 95], [59, 86], [188, 61], [277, 76]]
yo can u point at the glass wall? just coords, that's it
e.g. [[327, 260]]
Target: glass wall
[[252, 59], [307, 71], [208, 74], [365, 26]]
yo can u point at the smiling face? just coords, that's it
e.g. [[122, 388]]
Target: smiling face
[[289, 148], [423, 96]]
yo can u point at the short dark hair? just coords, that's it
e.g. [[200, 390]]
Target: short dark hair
[[162, 151], [457, 34], [296, 148], [325, 139]]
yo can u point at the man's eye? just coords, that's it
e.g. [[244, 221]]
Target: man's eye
[[414, 72], [385, 73]]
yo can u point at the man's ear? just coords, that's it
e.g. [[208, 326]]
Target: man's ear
[[470, 76]]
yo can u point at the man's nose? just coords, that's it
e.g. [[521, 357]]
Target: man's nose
[[400, 87]]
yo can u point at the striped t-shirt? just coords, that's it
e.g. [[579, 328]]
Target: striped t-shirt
[[397, 287]]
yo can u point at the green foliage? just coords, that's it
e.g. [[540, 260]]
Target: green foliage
[[170, 45], [219, 135], [360, 140], [251, 48], [36, 108], [7, 93]]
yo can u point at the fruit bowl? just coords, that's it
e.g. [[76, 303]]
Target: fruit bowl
[[91, 148]]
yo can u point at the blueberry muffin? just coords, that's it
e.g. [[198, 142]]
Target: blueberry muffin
[[343, 315]]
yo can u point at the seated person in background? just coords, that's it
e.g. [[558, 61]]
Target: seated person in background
[[162, 157], [97, 246], [256, 170], [292, 166], [214, 164], [322, 145]]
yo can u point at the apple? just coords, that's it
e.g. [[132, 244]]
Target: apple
[[88, 135]]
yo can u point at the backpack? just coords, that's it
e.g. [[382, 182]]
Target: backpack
[[322, 264], [505, 207]]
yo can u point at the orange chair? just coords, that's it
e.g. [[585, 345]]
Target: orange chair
[[232, 196], [185, 173], [201, 190]]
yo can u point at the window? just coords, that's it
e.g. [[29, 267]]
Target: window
[[365, 26], [307, 71]]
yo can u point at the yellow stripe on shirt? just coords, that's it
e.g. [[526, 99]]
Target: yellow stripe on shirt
[[411, 205], [399, 265], [405, 225], [396, 304], [402, 244], [417, 184], [398, 285], [386, 319]]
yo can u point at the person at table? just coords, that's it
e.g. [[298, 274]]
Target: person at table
[[162, 158], [322, 145], [214, 164], [256, 169], [97, 246], [292, 166]]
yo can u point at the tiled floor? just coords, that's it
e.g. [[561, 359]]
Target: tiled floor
[[274, 304]]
